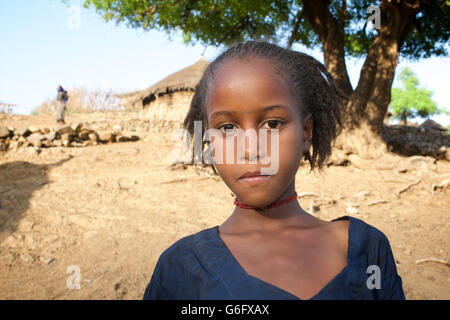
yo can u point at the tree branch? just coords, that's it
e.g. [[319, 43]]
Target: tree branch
[[242, 23], [294, 31], [343, 14]]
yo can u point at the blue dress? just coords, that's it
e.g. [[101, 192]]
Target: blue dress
[[200, 266]]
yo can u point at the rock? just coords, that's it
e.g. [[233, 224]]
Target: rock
[[22, 132], [134, 138], [14, 145], [66, 143], [66, 138], [33, 129], [421, 162], [84, 134], [351, 208], [45, 130], [79, 144], [107, 136], [76, 127], [35, 137], [4, 132], [93, 137], [47, 143], [46, 260], [57, 143], [117, 127], [123, 139], [338, 158], [22, 139], [50, 136], [37, 144], [26, 258], [3, 146], [64, 129]]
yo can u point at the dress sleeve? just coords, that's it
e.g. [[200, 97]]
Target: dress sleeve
[[391, 282], [158, 288]]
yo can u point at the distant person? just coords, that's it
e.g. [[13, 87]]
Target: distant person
[[61, 98]]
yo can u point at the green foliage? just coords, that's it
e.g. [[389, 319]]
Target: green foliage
[[223, 22], [411, 100]]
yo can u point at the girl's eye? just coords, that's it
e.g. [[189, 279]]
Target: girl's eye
[[273, 124], [227, 126]]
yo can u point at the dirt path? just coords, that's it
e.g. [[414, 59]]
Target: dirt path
[[110, 210]]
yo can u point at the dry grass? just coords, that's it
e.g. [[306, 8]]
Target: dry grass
[[82, 100]]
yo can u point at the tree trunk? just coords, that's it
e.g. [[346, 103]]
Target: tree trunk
[[404, 116], [363, 115], [331, 34]]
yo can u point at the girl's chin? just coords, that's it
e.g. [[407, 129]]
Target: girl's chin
[[256, 200]]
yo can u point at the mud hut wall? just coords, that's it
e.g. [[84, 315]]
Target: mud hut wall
[[168, 111]]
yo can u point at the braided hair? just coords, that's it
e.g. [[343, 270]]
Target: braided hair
[[309, 81]]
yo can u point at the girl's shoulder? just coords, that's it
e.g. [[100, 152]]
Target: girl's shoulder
[[366, 242], [188, 245]]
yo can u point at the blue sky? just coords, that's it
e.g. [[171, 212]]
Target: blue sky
[[41, 46]]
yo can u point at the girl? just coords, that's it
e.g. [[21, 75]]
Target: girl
[[270, 247]]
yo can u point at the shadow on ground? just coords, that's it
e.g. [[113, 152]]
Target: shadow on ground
[[18, 181]]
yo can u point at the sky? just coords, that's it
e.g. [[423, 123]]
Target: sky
[[44, 43]]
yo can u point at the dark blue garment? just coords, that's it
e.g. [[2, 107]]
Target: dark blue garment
[[61, 96], [200, 266]]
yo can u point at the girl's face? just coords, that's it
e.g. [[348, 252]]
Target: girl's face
[[250, 94]]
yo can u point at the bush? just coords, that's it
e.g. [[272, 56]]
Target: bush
[[83, 101]]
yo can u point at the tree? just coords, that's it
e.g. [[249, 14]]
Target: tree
[[411, 100], [413, 29]]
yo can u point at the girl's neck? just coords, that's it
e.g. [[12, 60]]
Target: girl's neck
[[274, 219]]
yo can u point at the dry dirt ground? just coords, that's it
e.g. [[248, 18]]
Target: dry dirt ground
[[110, 210]]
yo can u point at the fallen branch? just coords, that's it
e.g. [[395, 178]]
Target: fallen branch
[[443, 184], [376, 202], [433, 260], [185, 180], [306, 194], [393, 180], [407, 187]]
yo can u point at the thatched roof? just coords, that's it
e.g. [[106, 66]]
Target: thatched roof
[[430, 124], [183, 80]]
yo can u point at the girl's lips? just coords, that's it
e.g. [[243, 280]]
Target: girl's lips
[[254, 180]]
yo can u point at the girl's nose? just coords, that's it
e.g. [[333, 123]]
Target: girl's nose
[[253, 146]]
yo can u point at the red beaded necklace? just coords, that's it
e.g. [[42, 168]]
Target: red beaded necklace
[[272, 205]]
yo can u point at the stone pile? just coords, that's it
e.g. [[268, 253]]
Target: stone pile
[[77, 135], [136, 125], [428, 139]]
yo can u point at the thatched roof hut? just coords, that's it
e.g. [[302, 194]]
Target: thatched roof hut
[[172, 92]]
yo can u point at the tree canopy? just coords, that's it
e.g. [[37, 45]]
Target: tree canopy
[[223, 22], [412, 100], [412, 29]]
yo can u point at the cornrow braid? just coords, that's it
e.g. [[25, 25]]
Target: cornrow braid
[[309, 81]]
